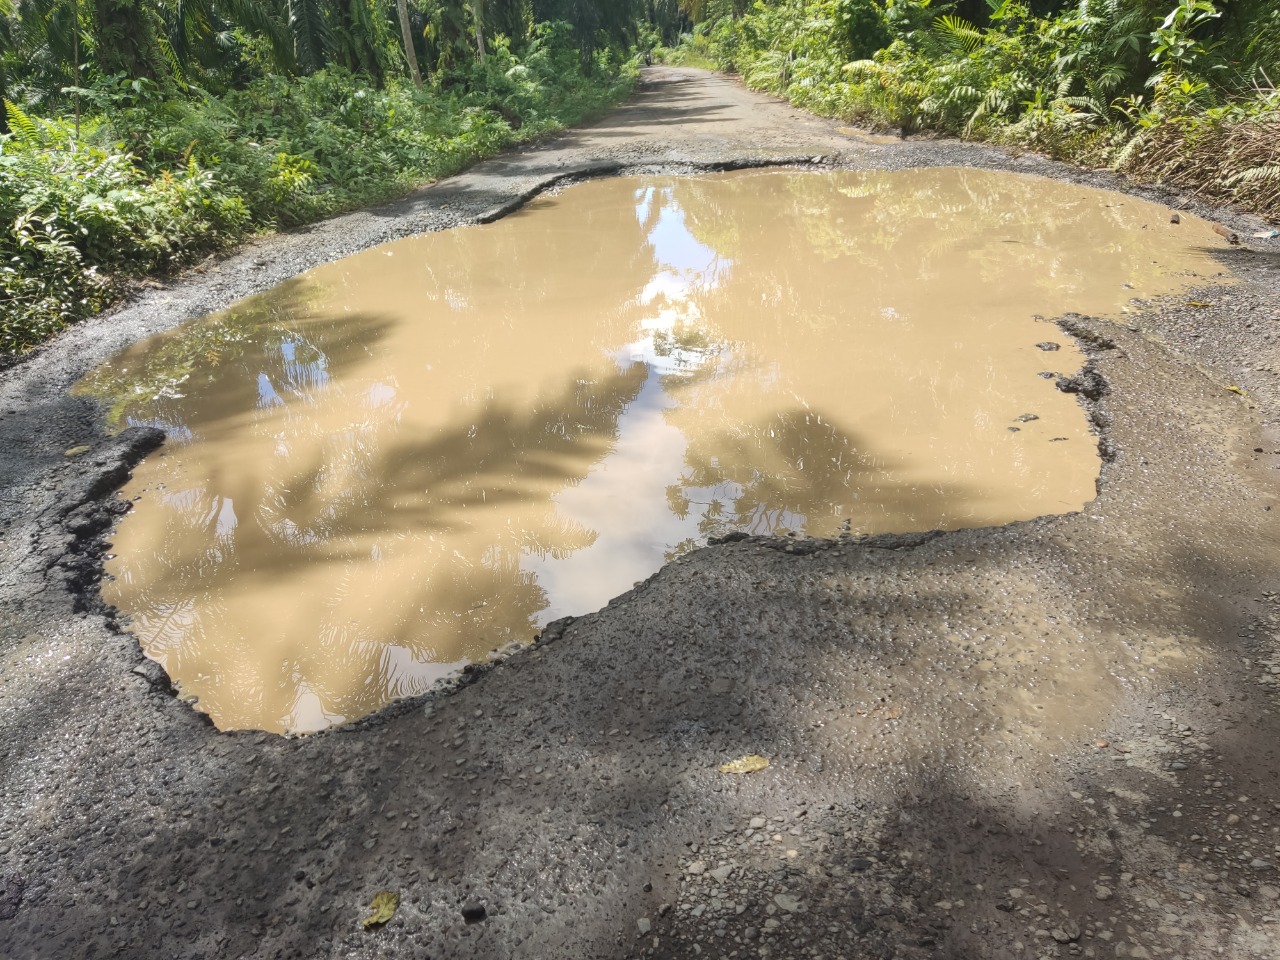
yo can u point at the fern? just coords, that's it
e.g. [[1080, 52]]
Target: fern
[[22, 126], [1126, 152], [864, 70], [1263, 174], [957, 34]]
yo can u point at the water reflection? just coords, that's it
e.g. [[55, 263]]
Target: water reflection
[[397, 462]]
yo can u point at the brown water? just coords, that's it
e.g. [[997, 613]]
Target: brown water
[[398, 462]]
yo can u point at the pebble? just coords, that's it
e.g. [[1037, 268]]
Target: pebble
[[643, 925], [697, 868], [787, 902], [1069, 932], [1102, 893], [1257, 863]]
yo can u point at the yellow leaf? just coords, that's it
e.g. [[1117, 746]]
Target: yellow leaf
[[1199, 303], [1236, 390], [384, 908], [76, 451], [748, 764]]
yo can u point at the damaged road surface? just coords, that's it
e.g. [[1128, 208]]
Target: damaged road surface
[[1053, 738]]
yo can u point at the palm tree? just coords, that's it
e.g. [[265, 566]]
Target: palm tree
[[8, 9], [125, 39], [477, 17], [406, 34]]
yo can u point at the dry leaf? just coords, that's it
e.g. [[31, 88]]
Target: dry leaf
[[1234, 389], [384, 907], [1198, 303], [76, 451], [748, 764]]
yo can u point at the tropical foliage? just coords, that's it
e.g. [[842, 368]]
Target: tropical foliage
[[135, 136], [1175, 90]]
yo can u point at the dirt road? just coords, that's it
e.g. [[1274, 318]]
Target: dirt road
[[1057, 738]]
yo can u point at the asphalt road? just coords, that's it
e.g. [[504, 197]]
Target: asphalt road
[[1055, 738]]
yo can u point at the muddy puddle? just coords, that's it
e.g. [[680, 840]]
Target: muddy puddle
[[396, 463]]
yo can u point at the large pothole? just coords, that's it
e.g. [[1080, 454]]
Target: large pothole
[[398, 462]]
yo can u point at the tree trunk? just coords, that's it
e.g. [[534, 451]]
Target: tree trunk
[[125, 40], [407, 33], [477, 13], [4, 95]]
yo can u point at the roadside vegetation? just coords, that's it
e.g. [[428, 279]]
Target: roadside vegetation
[[139, 135], [136, 136], [1175, 91]]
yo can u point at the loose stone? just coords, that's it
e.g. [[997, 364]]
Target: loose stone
[[787, 902]]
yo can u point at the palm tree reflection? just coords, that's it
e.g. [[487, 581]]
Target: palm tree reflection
[[401, 461]]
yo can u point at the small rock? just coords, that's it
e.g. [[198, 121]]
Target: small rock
[[1268, 892], [721, 874], [152, 672], [1069, 932], [1102, 893], [474, 912], [1259, 864], [723, 685], [787, 902], [757, 823], [643, 925], [751, 933], [1048, 346], [697, 868]]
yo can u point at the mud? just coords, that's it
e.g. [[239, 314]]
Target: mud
[[936, 787]]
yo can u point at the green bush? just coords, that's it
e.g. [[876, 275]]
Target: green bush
[[156, 180], [1172, 90]]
